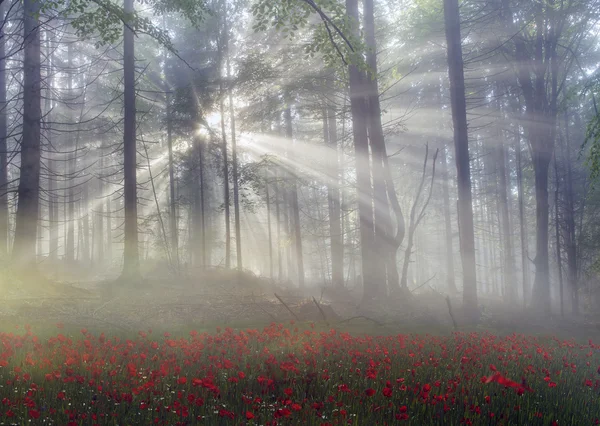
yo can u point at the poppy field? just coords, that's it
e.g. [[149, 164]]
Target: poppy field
[[296, 374]]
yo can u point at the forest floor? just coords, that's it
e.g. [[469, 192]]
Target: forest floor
[[226, 298]]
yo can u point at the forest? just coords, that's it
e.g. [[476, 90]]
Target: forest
[[311, 212], [425, 147]]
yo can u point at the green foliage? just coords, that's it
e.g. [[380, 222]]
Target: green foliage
[[425, 18], [593, 139], [331, 37], [103, 20]]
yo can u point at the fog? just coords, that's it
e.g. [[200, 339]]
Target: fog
[[249, 151], [268, 212]]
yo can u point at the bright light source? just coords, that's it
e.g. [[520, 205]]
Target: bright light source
[[202, 131]]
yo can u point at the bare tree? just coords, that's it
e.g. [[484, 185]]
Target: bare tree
[[416, 216]]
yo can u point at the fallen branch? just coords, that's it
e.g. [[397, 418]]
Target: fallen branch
[[287, 307], [415, 289], [320, 310], [263, 309], [364, 317], [266, 312]]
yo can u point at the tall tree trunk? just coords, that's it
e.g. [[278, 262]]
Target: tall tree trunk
[[173, 230], [234, 159], [3, 139], [571, 243], [508, 262], [51, 173], [109, 239], [541, 285], [294, 201], [541, 126], [370, 278], [278, 219], [269, 231], [202, 211], [226, 191], [197, 209], [461, 146], [28, 191], [333, 199], [70, 188], [384, 245], [85, 224], [99, 219], [131, 261], [522, 218], [450, 278], [557, 231], [224, 153], [172, 200], [285, 199]]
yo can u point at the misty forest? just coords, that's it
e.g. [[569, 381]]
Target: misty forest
[[311, 212]]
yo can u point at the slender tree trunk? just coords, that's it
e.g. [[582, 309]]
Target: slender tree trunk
[[509, 262], [286, 226], [448, 224], [522, 218], [416, 215], [571, 242], [294, 202], [109, 239], [85, 225], [234, 159], [557, 230], [333, 199], [131, 261], [99, 219], [461, 145], [226, 191], [269, 231], [370, 277], [202, 202], [28, 191], [224, 153], [198, 231], [3, 140], [172, 200], [278, 219], [384, 242], [70, 187]]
